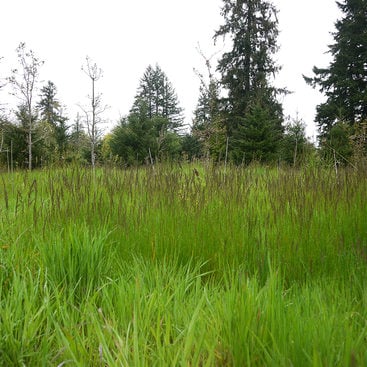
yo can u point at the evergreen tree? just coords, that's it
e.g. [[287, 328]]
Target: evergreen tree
[[191, 147], [160, 98], [344, 81], [246, 73], [7, 129], [134, 139], [14, 143], [51, 113], [141, 139], [150, 131], [207, 124], [296, 149], [257, 136], [49, 105], [79, 142], [336, 146]]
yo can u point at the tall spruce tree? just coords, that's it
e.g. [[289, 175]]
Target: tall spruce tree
[[246, 70], [51, 113], [49, 105], [160, 97], [344, 81], [150, 131]]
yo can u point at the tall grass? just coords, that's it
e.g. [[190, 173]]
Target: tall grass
[[167, 267]]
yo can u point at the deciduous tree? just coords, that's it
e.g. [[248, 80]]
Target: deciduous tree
[[24, 81], [93, 113], [208, 126]]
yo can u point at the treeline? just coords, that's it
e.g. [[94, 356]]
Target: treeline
[[239, 117]]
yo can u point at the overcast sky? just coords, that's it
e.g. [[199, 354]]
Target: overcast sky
[[125, 36]]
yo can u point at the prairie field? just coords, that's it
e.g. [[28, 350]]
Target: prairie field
[[189, 265]]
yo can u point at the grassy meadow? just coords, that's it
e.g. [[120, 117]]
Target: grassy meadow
[[183, 266]]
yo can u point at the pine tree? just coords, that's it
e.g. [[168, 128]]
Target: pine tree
[[344, 81], [246, 73]]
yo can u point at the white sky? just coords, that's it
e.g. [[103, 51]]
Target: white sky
[[125, 36]]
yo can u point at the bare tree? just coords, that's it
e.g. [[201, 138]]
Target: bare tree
[[93, 114], [24, 82], [3, 82]]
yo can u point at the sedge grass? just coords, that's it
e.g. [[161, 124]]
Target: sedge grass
[[166, 267]]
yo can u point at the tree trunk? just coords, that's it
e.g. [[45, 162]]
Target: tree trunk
[[93, 158], [30, 150], [30, 136]]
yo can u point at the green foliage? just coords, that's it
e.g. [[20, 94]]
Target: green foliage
[[183, 266], [253, 28], [246, 73], [191, 147], [160, 98], [344, 81], [77, 261], [19, 135], [50, 111], [208, 123], [358, 141], [336, 147], [24, 82], [150, 132], [79, 143], [135, 137], [12, 144], [296, 150], [257, 136]]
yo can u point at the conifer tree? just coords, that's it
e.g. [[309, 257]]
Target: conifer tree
[[150, 131], [51, 113], [344, 81], [160, 98], [246, 70]]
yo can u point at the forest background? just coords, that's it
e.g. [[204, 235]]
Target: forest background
[[239, 116]]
